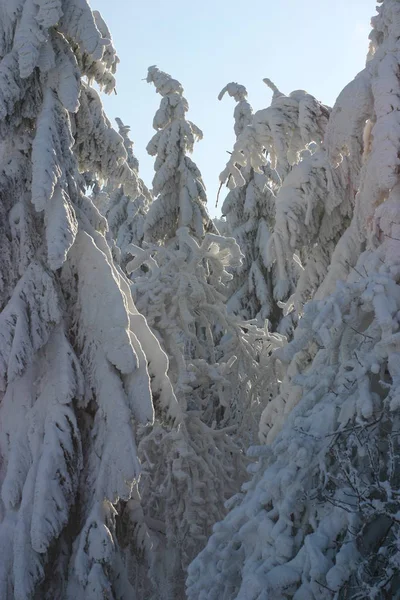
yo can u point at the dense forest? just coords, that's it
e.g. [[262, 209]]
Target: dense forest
[[196, 408]]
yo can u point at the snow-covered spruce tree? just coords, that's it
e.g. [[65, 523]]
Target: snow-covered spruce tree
[[190, 470], [214, 356], [278, 133], [243, 112], [278, 138], [313, 208], [316, 201], [73, 368], [178, 189], [125, 213], [250, 210], [193, 466], [187, 308], [320, 518]]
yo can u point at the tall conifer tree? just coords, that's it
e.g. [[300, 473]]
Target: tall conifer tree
[[320, 518], [74, 376]]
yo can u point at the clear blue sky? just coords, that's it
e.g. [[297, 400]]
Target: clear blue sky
[[313, 45]]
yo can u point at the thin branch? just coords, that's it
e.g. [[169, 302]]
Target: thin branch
[[354, 269], [220, 187], [360, 333], [391, 237]]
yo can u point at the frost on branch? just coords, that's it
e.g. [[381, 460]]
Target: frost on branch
[[178, 189]]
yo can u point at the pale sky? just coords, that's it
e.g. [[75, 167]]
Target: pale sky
[[318, 46]]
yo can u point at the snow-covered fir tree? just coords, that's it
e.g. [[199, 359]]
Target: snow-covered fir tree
[[243, 112], [214, 356], [184, 297], [192, 466], [184, 291], [126, 214], [278, 133], [266, 174], [180, 196], [320, 518], [315, 203], [313, 208], [250, 212], [77, 361]]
